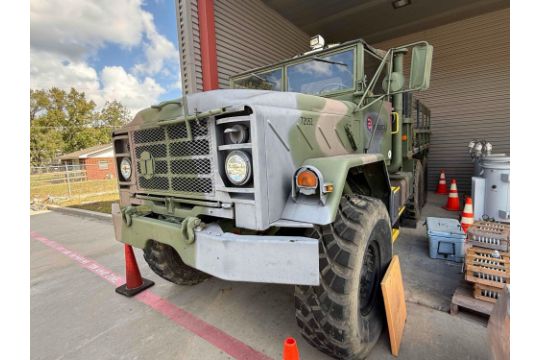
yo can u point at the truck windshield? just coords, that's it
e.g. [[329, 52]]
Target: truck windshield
[[269, 80], [321, 75]]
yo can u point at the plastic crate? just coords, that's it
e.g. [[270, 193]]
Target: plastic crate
[[446, 239]]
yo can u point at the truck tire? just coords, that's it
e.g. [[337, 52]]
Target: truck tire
[[165, 262], [344, 316]]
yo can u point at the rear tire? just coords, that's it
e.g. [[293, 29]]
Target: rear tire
[[344, 316], [165, 262]]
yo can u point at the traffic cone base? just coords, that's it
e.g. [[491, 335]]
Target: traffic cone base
[[441, 192], [135, 283], [123, 290], [446, 207]]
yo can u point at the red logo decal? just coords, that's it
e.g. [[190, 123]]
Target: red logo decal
[[369, 124]]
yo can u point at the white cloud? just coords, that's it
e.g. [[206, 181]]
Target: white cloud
[[75, 27], [157, 49], [65, 34], [112, 83], [119, 85], [49, 69]]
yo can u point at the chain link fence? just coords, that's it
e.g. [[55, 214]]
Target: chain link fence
[[69, 185]]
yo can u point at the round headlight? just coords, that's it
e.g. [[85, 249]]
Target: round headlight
[[238, 167], [125, 168]]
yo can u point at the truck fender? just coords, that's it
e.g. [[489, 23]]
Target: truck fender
[[335, 169]]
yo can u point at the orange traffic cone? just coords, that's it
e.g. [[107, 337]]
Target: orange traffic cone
[[290, 350], [453, 200], [467, 217], [134, 282], [441, 188]]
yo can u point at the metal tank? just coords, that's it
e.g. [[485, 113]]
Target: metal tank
[[491, 190]]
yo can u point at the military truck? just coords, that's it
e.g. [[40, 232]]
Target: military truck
[[299, 174]]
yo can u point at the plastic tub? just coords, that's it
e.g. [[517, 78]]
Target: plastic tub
[[446, 239]]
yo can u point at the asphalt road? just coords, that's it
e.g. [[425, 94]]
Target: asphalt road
[[75, 313]]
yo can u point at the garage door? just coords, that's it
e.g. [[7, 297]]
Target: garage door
[[469, 95]]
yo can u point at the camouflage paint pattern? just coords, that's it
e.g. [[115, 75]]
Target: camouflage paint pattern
[[328, 133]]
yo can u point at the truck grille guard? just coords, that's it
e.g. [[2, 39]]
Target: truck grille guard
[[168, 160]]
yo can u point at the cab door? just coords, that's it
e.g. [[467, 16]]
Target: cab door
[[377, 125]]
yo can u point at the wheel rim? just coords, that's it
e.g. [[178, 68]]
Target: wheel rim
[[369, 278]]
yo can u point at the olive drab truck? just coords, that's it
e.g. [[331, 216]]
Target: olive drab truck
[[299, 174]]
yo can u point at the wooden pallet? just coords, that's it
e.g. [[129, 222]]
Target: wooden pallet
[[489, 235], [482, 267], [487, 293], [463, 298]]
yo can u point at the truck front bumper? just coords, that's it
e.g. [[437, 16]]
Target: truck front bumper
[[253, 258]]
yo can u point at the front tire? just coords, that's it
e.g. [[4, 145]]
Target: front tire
[[344, 316], [165, 262]]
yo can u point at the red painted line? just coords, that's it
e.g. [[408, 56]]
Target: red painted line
[[188, 321]]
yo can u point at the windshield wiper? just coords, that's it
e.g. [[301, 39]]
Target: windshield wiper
[[329, 61], [258, 77]]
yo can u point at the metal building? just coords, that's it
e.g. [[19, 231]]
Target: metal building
[[469, 95]]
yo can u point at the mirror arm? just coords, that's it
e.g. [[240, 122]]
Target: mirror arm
[[378, 73], [372, 82]]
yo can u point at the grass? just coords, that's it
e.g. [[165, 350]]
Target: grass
[[53, 188], [78, 189], [101, 206], [90, 199]]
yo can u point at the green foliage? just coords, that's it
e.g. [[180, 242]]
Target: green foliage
[[63, 122]]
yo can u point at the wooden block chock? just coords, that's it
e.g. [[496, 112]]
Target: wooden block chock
[[394, 303]]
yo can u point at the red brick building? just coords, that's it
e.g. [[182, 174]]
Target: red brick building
[[98, 161]]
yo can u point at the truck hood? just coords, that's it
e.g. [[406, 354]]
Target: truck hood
[[218, 99]]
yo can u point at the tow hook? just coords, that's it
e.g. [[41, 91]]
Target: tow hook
[[188, 227], [129, 211]]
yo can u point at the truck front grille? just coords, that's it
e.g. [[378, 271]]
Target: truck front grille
[[176, 164]]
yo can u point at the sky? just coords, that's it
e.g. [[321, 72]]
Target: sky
[[125, 50]]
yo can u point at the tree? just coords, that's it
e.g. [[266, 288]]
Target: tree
[[38, 102], [114, 115], [78, 118], [62, 122]]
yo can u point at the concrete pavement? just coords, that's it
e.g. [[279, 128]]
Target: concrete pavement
[[75, 314]]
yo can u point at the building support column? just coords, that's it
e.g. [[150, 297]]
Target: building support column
[[207, 34]]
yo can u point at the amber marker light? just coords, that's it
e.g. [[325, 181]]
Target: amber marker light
[[307, 179]]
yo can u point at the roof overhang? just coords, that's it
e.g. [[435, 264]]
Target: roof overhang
[[86, 153], [376, 20]]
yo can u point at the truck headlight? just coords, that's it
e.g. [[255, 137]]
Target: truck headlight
[[125, 168], [238, 167]]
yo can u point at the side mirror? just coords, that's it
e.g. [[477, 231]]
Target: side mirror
[[420, 73]]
